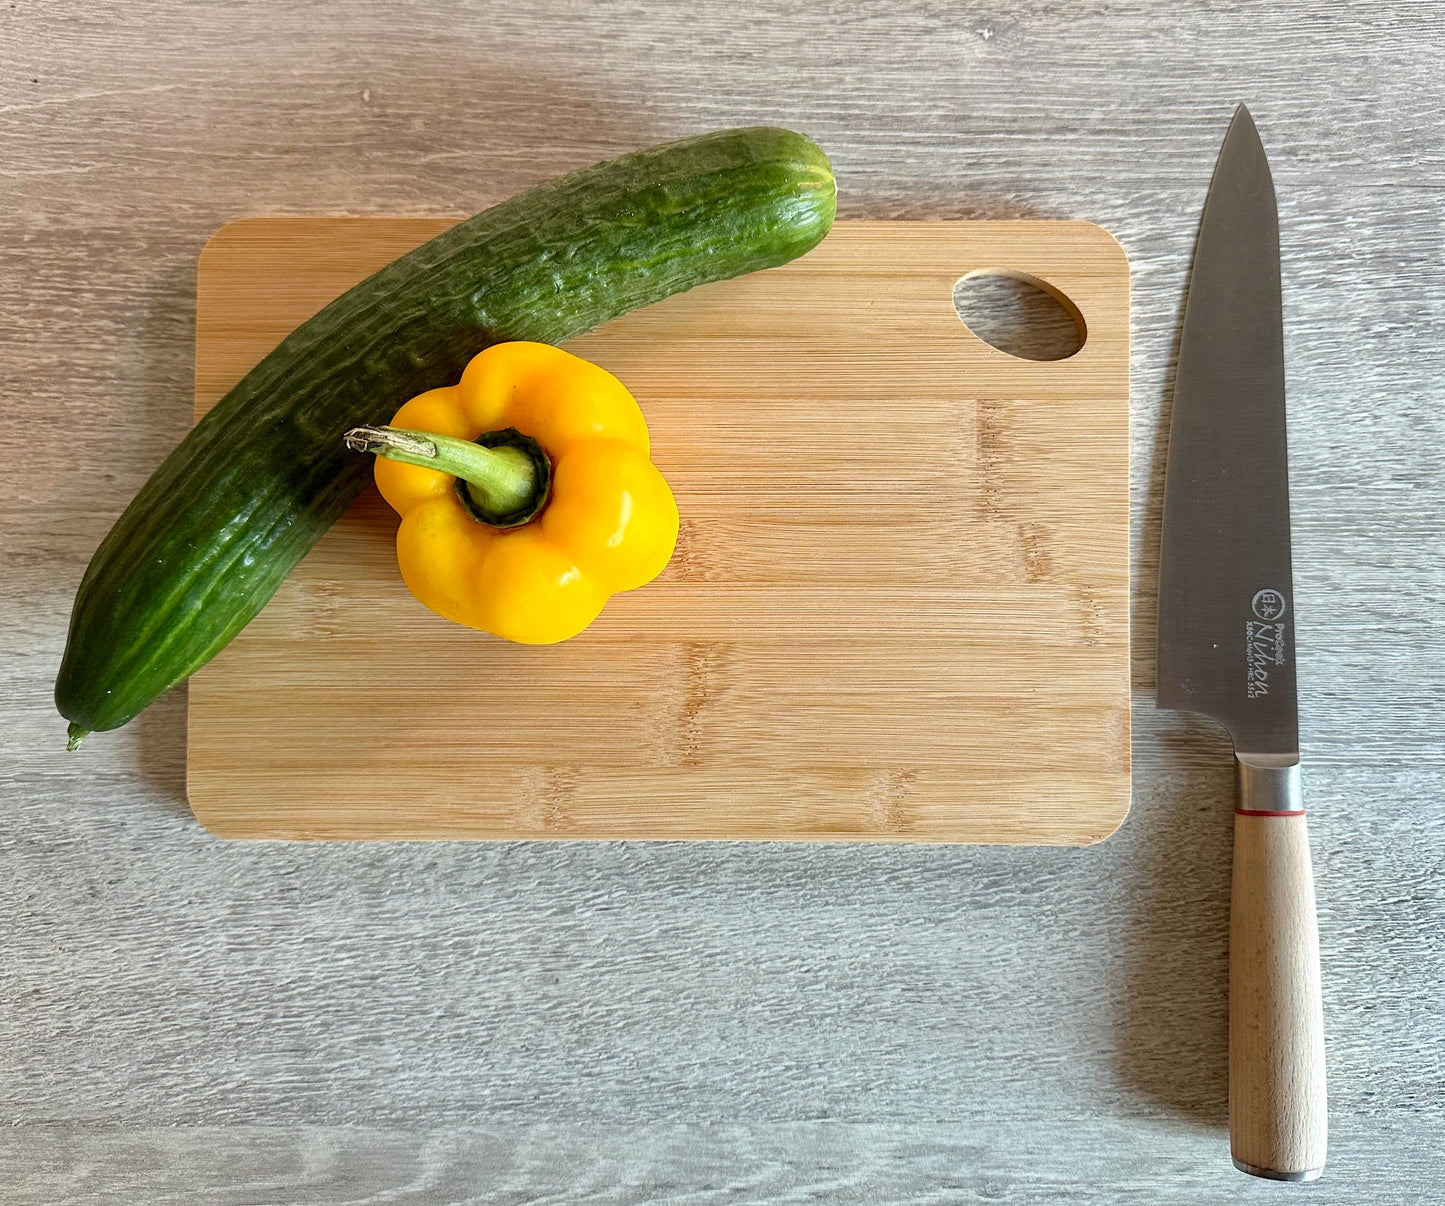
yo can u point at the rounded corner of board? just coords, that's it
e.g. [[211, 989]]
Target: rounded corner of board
[[1108, 239], [213, 822], [1113, 823], [236, 228], [213, 826]]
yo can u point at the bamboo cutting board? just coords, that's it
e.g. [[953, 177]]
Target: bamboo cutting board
[[898, 609]]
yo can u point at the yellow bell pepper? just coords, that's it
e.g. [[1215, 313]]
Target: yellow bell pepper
[[574, 508]]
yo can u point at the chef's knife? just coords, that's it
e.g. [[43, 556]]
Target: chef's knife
[[1227, 650]]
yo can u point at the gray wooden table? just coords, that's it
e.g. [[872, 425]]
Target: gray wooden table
[[186, 1020]]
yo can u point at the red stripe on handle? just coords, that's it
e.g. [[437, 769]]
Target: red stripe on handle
[[1257, 812]]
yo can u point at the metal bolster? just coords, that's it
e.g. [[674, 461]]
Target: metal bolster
[[1269, 784]]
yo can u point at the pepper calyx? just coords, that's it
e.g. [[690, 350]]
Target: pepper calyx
[[510, 437]]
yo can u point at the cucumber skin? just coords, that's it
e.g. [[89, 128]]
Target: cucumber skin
[[209, 538]]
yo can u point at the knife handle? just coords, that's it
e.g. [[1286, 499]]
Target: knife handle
[[1277, 1125]]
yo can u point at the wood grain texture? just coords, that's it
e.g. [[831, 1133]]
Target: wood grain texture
[[898, 612], [1277, 1098], [1097, 1162], [700, 1022]]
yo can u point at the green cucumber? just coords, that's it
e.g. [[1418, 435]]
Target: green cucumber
[[254, 485]]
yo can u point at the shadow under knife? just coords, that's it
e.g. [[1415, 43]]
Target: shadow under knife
[[1173, 1038], [1173, 1029]]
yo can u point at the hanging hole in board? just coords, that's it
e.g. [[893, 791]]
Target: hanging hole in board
[[1018, 314]]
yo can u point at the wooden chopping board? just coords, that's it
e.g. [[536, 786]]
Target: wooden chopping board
[[898, 610]]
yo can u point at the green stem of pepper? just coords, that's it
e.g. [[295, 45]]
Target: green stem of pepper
[[504, 482]]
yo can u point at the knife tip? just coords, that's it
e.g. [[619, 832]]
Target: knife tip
[[1242, 140]]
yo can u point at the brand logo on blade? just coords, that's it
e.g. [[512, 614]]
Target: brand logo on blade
[[1263, 642], [1268, 605]]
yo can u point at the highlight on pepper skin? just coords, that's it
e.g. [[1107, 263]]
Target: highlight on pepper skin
[[610, 523]]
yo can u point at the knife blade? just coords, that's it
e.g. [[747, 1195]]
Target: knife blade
[[1227, 651]]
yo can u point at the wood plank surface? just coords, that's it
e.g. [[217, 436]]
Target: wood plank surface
[[1096, 1162], [189, 1020], [898, 612]]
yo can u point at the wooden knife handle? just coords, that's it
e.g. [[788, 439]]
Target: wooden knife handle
[[1277, 1125]]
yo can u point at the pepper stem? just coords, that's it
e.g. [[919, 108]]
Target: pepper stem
[[502, 481]]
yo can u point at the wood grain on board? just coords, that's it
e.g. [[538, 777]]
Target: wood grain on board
[[898, 609], [197, 1022]]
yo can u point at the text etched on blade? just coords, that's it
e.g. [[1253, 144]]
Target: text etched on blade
[[1263, 641]]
